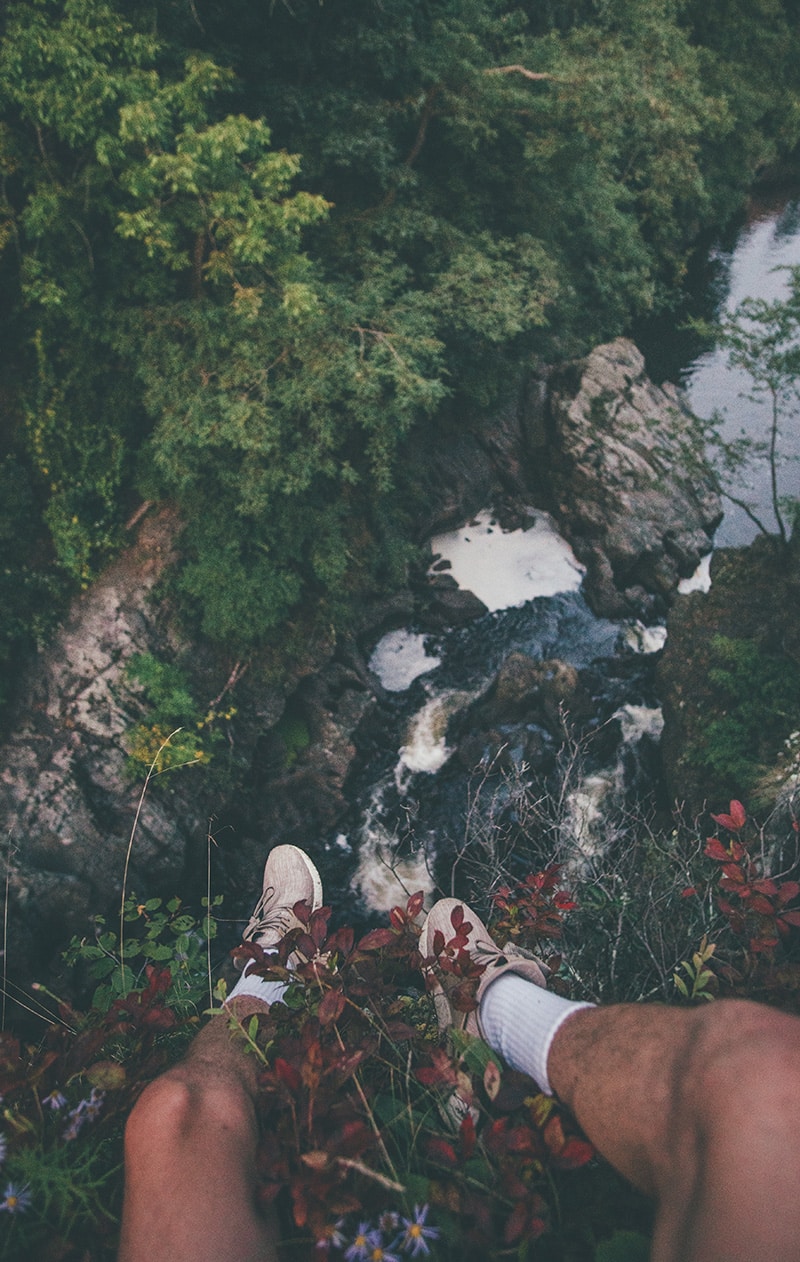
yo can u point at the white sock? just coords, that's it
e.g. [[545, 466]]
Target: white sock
[[520, 1020], [258, 987]]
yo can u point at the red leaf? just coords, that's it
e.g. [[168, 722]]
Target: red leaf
[[787, 891], [398, 917], [467, 1135], [766, 886], [688, 892], [331, 1007], [159, 1018], [734, 820], [762, 905], [715, 850], [341, 942], [733, 873], [517, 1223], [791, 917], [564, 901], [575, 1153], [287, 1073], [441, 1072], [415, 904], [440, 1150], [399, 1031], [376, 939]]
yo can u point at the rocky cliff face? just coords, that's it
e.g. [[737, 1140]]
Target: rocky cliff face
[[599, 437], [66, 804]]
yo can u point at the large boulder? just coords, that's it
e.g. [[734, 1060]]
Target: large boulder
[[638, 513]]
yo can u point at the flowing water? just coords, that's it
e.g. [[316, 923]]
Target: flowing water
[[753, 264], [413, 799]]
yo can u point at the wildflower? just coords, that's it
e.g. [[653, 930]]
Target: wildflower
[[388, 1222], [84, 1111], [3, 1148], [417, 1235], [94, 1104], [377, 1253], [331, 1237], [55, 1100], [363, 1242], [16, 1199]]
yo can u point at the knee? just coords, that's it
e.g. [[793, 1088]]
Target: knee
[[176, 1107], [162, 1112], [744, 1056]]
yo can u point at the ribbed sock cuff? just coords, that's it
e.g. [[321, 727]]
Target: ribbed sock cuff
[[258, 987], [520, 1021]]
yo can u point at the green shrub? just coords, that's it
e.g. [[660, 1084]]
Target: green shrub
[[177, 731], [759, 693]]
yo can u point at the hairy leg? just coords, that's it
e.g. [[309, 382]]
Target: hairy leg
[[699, 1108], [190, 1146]]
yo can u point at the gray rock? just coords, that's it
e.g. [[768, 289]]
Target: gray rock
[[67, 805], [452, 606], [635, 508]]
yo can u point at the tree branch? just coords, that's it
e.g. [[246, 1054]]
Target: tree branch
[[427, 115], [536, 76]]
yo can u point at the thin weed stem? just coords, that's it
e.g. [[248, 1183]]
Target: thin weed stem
[[151, 771]]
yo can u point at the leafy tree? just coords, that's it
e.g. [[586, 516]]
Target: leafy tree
[[763, 339], [196, 313]]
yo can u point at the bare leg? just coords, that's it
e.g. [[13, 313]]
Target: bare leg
[[701, 1109], [190, 1147]]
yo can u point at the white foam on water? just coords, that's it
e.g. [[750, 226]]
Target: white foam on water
[[584, 828], [425, 748], [382, 879], [640, 720], [644, 639], [700, 581], [400, 657], [507, 568]]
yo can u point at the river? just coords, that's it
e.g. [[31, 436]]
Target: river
[[420, 804], [751, 263]]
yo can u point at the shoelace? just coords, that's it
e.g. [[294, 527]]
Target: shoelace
[[266, 918]]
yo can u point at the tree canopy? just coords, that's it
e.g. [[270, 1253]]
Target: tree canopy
[[246, 251]]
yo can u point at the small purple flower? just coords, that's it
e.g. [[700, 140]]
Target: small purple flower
[[55, 1101], [416, 1235], [94, 1104], [16, 1199], [377, 1252], [333, 1238], [363, 1243], [84, 1111]]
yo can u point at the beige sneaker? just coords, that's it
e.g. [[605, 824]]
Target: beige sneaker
[[460, 960], [289, 878]]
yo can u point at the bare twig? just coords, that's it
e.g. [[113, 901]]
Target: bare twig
[[534, 75]]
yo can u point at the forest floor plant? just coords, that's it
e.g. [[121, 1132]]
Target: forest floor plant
[[381, 1138]]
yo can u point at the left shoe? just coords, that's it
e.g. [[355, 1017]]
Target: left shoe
[[290, 878], [460, 962]]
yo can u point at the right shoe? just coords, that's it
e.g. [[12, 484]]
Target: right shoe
[[290, 878], [460, 962]]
